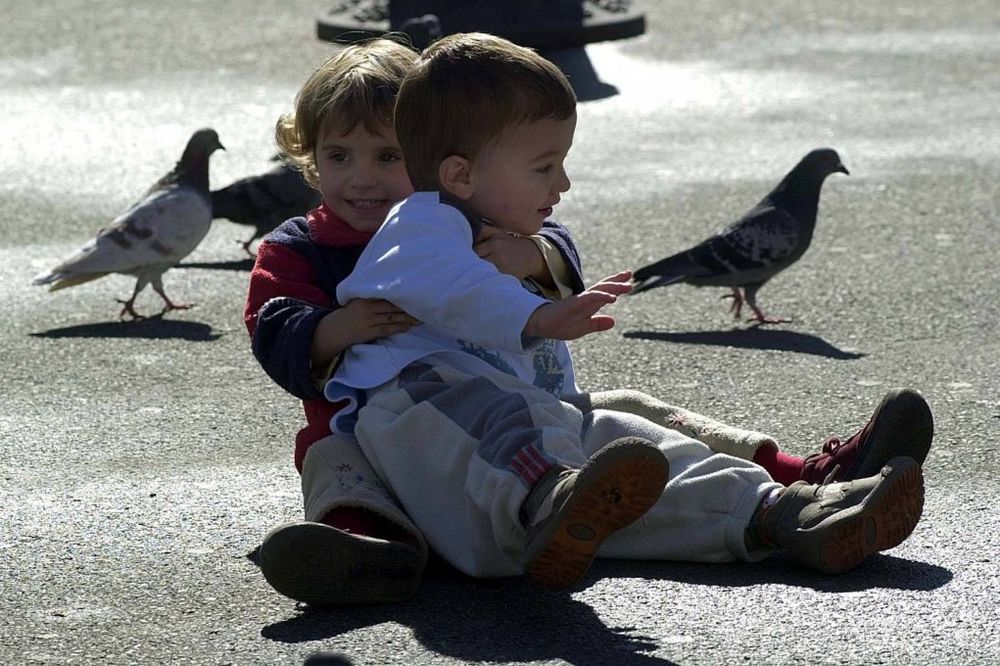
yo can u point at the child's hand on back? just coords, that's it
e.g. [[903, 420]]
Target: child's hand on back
[[576, 316], [513, 255], [360, 320], [365, 319]]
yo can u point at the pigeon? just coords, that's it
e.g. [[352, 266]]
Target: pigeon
[[265, 201], [422, 30], [153, 235], [756, 247]]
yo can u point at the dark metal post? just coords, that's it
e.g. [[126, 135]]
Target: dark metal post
[[542, 24]]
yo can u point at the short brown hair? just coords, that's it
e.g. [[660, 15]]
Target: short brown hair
[[465, 90], [357, 85]]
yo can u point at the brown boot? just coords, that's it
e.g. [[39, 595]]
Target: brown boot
[[833, 527], [570, 512]]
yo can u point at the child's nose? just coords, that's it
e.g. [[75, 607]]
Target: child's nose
[[364, 176], [562, 183]]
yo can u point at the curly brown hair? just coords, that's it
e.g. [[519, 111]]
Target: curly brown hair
[[357, 85]]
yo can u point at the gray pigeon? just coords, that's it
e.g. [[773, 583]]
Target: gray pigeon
[[265, 201], [153, 235], [758, 246]]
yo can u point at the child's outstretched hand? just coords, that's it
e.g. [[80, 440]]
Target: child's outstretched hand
[[513, 255], [576, 316]]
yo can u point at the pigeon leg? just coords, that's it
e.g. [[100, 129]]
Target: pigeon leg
[[758, 314], [737, 305], [169, 304], [246, 246], [128, 306], [127, 309]]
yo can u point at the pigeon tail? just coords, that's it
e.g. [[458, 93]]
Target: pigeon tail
[[654, 281], [673, 269], [57, 281]]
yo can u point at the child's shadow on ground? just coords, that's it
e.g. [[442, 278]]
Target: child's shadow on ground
[[476, 620], [494, 620], [755, 337]]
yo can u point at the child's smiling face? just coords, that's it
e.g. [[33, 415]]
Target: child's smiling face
[[361, 174], [517, 179]]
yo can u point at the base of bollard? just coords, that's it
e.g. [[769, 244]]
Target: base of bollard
[[541, 24]]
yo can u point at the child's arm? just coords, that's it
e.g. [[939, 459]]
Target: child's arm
[[284, 305], [562, 257], [549, 259], [576, 316], [425, 267], [297, 330], [361, 320]]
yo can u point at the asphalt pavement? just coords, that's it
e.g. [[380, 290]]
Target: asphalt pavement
[[142, 462]]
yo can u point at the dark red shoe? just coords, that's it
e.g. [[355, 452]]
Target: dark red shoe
[[902, 425]]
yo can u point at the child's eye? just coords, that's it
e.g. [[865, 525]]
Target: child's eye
[[338, 157], [545, 169], [389, 158]]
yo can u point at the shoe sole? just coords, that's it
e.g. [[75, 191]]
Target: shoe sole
[[617, 486], [885, 519], [903, 426], [323, 566]]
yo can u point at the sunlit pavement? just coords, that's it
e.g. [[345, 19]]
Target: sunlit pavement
[[142, 463]]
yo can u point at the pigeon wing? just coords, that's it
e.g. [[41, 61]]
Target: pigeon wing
[[750, 250], [266, 200], [159, 231]]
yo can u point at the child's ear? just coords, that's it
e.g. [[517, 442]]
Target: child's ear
[[455, 174]]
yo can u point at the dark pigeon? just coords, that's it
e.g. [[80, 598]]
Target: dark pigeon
[[758, 246], [422, 30], [265, 201], [152, 236]]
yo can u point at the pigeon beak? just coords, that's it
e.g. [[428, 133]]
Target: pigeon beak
[[842, 169]]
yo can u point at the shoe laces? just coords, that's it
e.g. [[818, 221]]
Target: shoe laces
[[832, 445], [828, 480]]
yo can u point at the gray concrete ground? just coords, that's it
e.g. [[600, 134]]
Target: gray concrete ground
[[142, 462]]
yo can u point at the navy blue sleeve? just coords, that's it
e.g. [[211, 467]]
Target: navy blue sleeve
[[559, 236], [281, 344]]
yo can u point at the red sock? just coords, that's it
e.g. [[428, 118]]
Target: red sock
[[361, 521], [783, 468]]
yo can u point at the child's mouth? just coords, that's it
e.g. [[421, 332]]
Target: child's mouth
[[547, 211], [366, 204]]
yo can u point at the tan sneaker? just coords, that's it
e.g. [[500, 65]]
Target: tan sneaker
[[570, 512], [833, 527]]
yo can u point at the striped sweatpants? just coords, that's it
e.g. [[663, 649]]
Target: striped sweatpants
[[460, 452]]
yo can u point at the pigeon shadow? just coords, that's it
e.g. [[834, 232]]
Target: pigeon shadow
[[245, 264], [150, 328], [576, 65], [756, 337], [561, 628]]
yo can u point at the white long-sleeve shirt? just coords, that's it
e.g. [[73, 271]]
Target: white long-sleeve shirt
[[422, 261]]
